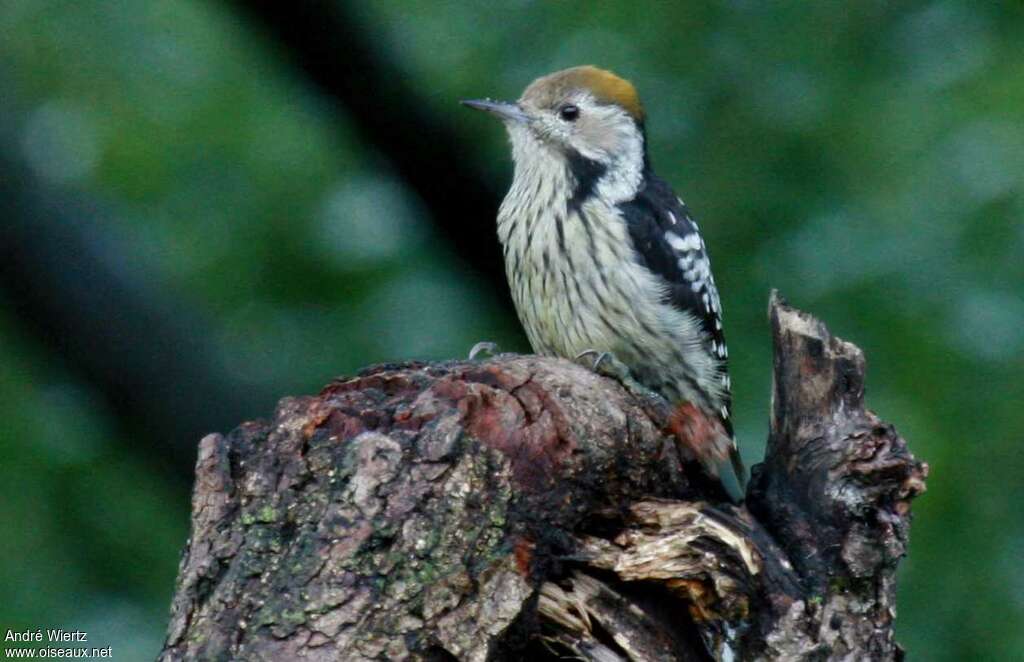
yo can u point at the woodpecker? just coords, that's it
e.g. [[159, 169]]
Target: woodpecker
[[603, 258]]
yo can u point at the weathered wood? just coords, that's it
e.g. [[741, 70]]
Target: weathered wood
[[835, 491], [528, 508]]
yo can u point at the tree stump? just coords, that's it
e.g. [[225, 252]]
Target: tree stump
[[525, 507]]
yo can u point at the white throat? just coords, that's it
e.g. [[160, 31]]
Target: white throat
[[544, 176]]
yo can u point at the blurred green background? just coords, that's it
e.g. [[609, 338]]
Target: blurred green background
[[199, 217]]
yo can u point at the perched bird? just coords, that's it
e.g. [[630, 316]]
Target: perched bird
[[604, 259]]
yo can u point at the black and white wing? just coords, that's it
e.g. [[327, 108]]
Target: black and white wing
[[668, 241]]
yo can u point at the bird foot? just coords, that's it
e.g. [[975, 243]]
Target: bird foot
[[483, 347], [598, 358], [606, 365]]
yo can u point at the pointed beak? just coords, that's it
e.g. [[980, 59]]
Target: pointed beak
[[509, 112]]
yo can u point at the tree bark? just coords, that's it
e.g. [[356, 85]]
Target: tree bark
[[526, 507]]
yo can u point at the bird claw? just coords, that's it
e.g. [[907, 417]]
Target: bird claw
[[607, 365], [491, 348], [598, 358]]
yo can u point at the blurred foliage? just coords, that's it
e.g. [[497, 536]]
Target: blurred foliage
[[865, 158]]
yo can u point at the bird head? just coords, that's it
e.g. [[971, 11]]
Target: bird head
[[579, 113]]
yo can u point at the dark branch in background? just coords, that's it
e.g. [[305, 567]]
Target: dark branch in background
[[83, 297], [336, 53]]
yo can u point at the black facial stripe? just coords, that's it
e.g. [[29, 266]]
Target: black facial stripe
[[585, 173]]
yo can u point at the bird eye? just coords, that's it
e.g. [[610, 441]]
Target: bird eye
[[569, 112]]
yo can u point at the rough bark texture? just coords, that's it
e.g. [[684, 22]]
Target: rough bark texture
[[528, 508]]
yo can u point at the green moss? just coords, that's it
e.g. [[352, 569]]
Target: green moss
[[293, 616], [839, 585], [427, 574]]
